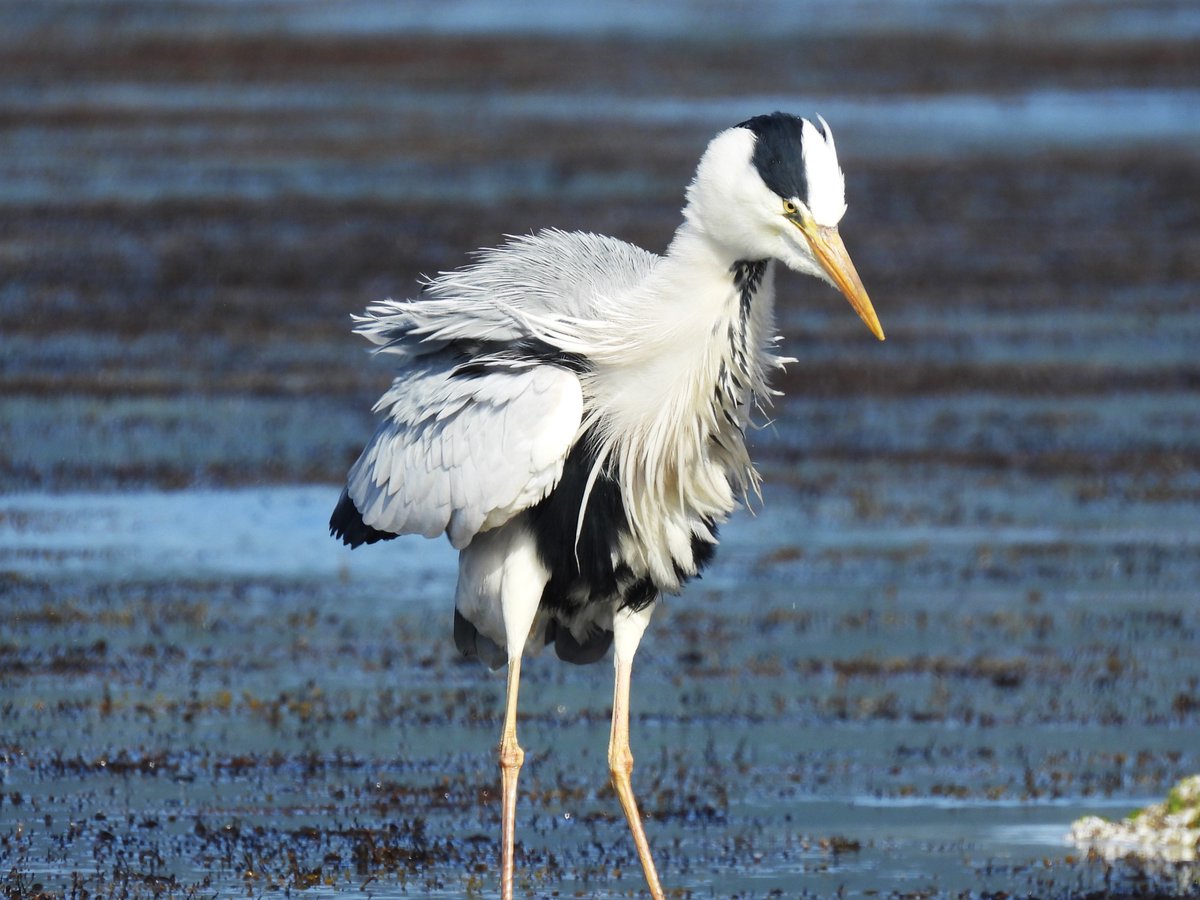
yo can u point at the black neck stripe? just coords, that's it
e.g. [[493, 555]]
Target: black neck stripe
[[747, 276]]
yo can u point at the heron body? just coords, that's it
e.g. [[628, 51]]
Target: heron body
[[570, 411]]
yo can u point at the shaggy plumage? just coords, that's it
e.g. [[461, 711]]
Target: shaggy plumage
[[571, 411]]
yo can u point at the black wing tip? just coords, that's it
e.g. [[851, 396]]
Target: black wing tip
[[581, 653], [473, 645], [347, 524]]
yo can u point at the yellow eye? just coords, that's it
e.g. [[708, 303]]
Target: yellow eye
[[789, 208]]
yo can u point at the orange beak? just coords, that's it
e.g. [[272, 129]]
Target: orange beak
[[827, 246]]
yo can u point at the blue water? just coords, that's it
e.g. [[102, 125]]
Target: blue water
[[1098, 21], [964, 613], [179, 153]]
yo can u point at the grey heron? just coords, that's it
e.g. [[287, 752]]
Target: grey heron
[[570, 411]]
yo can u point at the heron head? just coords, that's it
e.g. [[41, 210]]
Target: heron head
[[771, 187]]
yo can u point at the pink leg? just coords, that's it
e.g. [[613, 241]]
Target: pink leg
[[627, 633], [511, 758]]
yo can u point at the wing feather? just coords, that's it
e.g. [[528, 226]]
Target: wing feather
[[480, 419], [465, 454], [554, 276]]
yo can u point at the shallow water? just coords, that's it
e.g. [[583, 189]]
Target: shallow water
[[963, 614], [201, 685]]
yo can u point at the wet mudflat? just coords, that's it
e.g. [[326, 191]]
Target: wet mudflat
[[964, 614], [842, 705]]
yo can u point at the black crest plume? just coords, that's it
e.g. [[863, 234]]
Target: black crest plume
[[779, 153]]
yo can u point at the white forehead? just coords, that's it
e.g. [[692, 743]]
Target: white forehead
[[739, 176], [826, 185]]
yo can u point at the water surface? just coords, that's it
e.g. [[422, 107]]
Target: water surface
[[963, 614]]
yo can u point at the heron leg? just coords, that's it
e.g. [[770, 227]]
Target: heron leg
[[627, 633], [511, 758], [500, 572]]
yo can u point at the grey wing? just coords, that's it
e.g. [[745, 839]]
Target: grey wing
[[552, 276], [462, 453]]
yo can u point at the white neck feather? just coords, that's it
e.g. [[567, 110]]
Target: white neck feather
[[689, 361]]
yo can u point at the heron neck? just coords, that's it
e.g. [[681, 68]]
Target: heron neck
[[716, 281], [675, 400], [692, 244]]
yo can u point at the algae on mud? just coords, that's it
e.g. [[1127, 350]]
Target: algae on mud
[[964, 616], [886, 706]]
